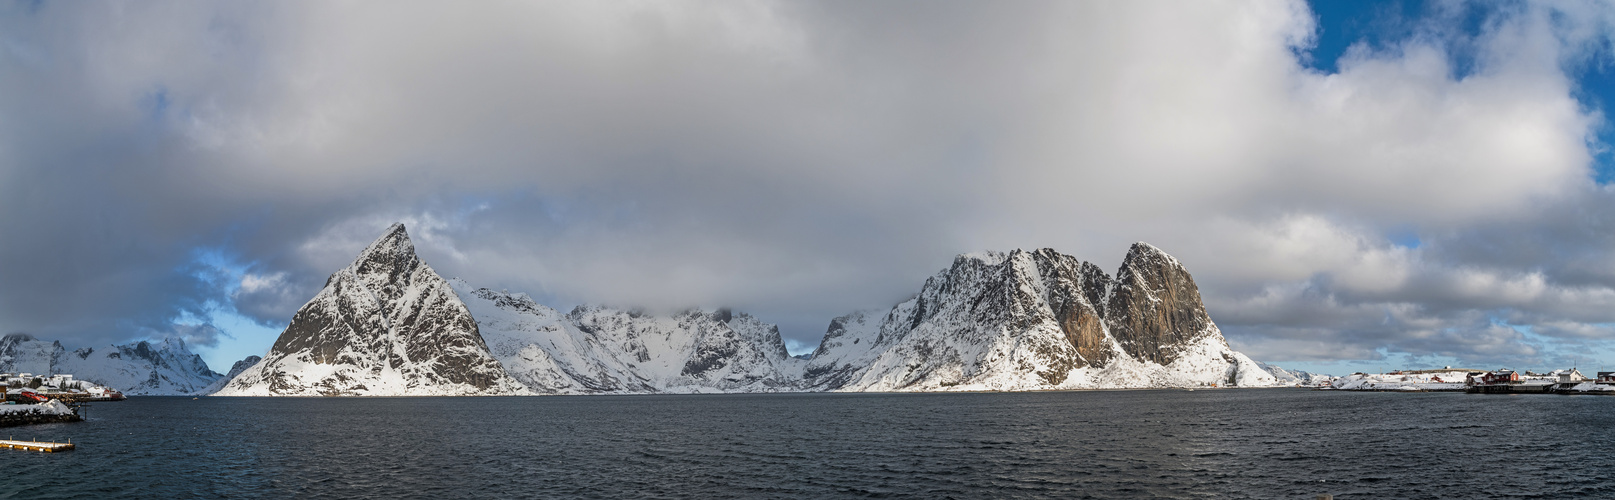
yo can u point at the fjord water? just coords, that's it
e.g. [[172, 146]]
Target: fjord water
[[1272, 443]]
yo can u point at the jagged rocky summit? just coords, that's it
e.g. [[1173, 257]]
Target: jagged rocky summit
[[1033, 321], [387, 325], [145, 368]]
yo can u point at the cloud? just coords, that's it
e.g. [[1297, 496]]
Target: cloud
[[801, 160], [203, 334]]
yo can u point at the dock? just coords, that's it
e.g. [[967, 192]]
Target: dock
[[50, 447]]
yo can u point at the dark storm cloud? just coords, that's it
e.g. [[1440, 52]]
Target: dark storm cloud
[[801, 160]]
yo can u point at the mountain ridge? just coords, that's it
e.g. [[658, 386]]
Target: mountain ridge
[[146, 368], [996, 321]]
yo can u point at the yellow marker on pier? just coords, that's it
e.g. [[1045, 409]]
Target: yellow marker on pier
[[36, 446]]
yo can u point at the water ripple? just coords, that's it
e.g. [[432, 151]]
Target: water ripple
[[1101, 444]]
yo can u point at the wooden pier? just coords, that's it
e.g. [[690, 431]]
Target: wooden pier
[[51, 447]]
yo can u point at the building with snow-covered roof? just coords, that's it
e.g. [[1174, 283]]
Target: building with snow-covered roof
[[1500, 377], [1571, 376]]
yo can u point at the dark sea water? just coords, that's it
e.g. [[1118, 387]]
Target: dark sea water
[[1272, 443]]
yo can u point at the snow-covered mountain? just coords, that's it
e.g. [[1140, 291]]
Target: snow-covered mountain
[[22, 353], [1036, 320], [165, 367], [387, 325], [596, 349], [235, 369]]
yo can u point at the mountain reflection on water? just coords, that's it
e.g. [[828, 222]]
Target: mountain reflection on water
[[1099, 444]]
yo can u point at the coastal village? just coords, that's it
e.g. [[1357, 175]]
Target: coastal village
[[26, 398], [1502, 381]]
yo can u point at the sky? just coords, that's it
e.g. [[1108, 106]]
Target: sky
[[1355, 186]]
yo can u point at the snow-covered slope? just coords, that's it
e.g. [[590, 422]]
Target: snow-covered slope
[[1296, 377], [596, 349], [1432, 381], [387, 325], [851, 344], [235, 369], [1036, 320], [165, 367], [22, 353]]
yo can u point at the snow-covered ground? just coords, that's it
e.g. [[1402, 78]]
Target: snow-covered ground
[[1442, 381], [1591, 387], [1296, 378], [52, 407]]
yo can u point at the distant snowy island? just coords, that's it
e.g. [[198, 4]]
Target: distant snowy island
[[389, 325]]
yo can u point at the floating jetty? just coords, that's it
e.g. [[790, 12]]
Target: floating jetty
[[50, 447]]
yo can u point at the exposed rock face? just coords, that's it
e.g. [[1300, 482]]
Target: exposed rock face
[[1074, 290], [1004, 321], [1155, 308], [596, 349], [1035, 320], [387, 325], [164, 367]]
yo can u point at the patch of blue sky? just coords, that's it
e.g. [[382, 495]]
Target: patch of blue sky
[[1380, 25], [797, 348], [1405, 238], [1342, 24], [1383, 25], [156, 104], [1587, 355], [242, 336], [1595, 90], [247, 338]]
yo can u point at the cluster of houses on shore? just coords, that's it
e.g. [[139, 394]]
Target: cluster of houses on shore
[[28, 388], [1451, 379], [1556, 382], [27, 399]]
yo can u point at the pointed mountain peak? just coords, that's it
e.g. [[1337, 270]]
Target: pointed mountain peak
[[393, 244], [1145, 252], [387, 325], [388, 259]]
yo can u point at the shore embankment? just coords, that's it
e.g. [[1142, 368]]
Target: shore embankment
[[49, 412]]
